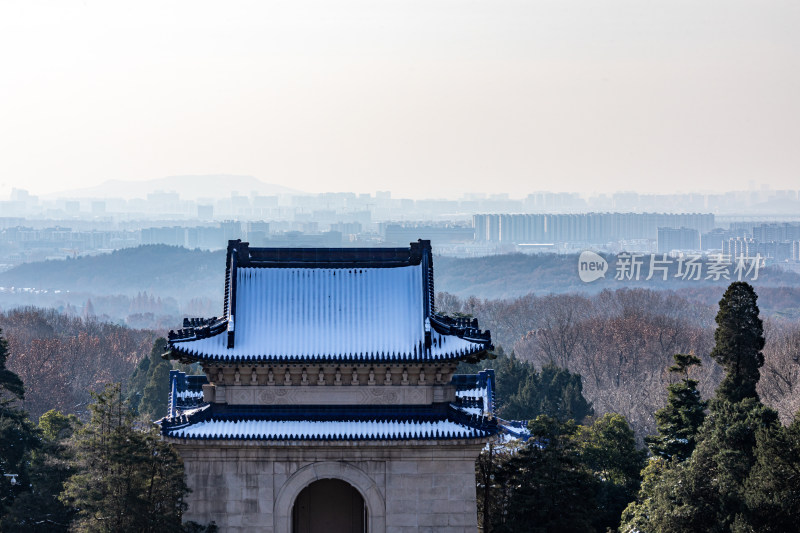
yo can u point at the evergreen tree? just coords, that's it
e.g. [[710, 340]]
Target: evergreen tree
[[510, 374], [555, 392], [608, 449], [709, 491], [156, 394], [127, 480], [721, 463], [57, 426], [138, 382], [17, 435], [548, 488], [522, 393], [148, 388], [680, 420], [772, 491], [39, 510], [739, 339]]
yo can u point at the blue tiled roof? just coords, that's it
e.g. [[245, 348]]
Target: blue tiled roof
[[317, 423], [337, 305], [475, 392], [185, 391], [470, 416]]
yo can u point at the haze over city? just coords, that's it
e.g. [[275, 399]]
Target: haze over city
[[421, 99]]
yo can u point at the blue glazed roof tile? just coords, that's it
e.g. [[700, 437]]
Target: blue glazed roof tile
[[321, 305]]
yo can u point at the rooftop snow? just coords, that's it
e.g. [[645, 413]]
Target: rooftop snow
[[326, 430], [329, 313]]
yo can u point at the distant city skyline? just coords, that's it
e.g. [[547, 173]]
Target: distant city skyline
[[249, 185], [424, 99]]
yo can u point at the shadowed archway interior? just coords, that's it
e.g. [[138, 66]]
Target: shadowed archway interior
[[329, 506]]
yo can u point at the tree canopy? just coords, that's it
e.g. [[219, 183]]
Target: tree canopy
[[683, 415], [739, 339], [126, 480], [18, 437]]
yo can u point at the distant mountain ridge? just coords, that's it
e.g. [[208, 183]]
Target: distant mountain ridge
[[157, 269], [190, 187], [181, 273]]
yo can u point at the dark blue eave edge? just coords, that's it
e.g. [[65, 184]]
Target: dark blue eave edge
[[436, 412]]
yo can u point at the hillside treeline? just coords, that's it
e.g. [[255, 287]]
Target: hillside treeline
[[721, 462], [62, 359], [622, 342], [191, 282]]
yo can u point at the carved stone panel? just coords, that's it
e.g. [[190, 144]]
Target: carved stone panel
[[365, 395]]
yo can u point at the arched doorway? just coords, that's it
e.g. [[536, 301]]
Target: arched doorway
[[329, 506]]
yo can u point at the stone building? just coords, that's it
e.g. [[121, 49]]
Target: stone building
[[329, 401]]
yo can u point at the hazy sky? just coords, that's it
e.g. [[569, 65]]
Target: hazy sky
[[424, 98]]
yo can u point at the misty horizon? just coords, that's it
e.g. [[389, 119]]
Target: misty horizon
[[186, 187], [422, 99]]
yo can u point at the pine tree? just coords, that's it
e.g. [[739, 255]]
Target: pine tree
[[148, 388], [680, 420], [721, 463], [548, 487], [18, 437], [709, 491], [772, 490], [57, 426], [127, 480], [156, 394], [555, 392], [39, 510], [739, 339], [137, 383], [608, 449]]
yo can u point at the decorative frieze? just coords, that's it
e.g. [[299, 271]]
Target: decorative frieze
[[366, 395], [330, 375]]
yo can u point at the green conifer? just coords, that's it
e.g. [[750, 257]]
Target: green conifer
[[126, 480], [772, 491], [708, 491], [39, 510], [608, 449], [680, 420], [17, 435], [148, 388], [739, 339], [548, 487], [555, 392]]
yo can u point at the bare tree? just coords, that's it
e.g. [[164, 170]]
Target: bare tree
[[780, 376]]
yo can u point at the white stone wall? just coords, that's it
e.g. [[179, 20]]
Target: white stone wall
[[406, 486]]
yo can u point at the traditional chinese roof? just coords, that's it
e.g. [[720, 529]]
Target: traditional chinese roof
[[475, 396], [315, 423], [185, 392], [470, 416], [475, 392], [306, 305]]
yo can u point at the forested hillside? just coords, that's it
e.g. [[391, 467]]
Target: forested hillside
[[62, 359], [155, 286], [158, 269], [622, 342]]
